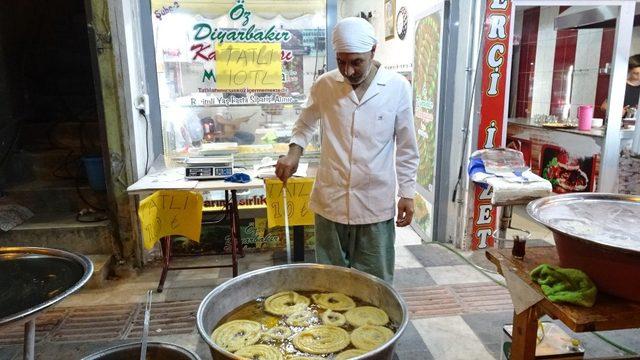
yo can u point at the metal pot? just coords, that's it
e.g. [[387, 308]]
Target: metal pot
[[155, 351], [601, 238], [33, 279], [42, 270], [301, 277]]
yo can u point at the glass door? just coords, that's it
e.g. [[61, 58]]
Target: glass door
[[235, 73]]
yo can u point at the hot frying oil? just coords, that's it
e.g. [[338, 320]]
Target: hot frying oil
[[254, 311]]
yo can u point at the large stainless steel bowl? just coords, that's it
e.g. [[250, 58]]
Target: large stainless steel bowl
[[155, 350], [301, 277], [597, 233], [33, 279]]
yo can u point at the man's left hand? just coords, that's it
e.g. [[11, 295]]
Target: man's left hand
[[405, 212]]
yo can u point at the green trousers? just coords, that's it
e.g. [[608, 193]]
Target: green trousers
[[368, 248]]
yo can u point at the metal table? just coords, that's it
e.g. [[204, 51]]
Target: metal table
[[173, 179], [162, 178], [33, 279]]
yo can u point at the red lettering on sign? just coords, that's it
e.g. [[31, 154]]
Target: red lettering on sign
[[492, 110]]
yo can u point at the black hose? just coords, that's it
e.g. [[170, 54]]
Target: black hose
[[11, 143]]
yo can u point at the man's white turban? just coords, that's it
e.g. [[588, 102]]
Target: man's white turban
[[353, 35]]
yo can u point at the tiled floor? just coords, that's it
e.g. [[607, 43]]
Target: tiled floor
[[456, 311]]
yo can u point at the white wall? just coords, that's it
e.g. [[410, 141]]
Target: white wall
[[545, 52], [586, 64], [515, 62], [124, 17], [635, 41], [394, 54]]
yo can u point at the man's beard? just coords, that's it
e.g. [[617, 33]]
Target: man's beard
[[364, 77]]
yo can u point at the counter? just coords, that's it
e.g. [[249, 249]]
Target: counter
[[568, 158], [625, 134]]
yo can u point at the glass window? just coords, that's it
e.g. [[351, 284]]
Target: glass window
[[234, 74]]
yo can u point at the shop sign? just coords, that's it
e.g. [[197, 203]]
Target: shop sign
[[254, 47], [250, 34], [159, 13], [212, 99], [492, 111], [253, 202]]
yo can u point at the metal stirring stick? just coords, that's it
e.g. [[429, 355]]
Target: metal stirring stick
[[145, 326], [286, 222]]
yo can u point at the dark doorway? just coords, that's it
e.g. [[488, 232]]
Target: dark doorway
[[48, 116]]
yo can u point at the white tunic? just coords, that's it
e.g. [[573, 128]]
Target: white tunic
[[356, 181]]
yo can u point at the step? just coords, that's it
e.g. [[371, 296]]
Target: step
[[55, 196], [62, 231], [101, 269], [47, 165], [82, 136]]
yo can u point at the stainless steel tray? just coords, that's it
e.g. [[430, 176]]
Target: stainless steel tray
[[604, 218], [33, 279]]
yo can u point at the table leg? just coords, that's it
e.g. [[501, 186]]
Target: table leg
[[233, 220], [29, 346], [505, 223], [238, 233], [298, 243], [165, 246], [525, 328]]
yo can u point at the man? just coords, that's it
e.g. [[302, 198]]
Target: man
[[366, 114]]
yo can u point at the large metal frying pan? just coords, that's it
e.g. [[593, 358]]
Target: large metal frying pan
[[32, 279]]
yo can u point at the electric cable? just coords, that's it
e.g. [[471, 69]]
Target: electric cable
[[96, 218], [219, 218], [469, 262], [146, 140], [622, 348], [64, 165], [11, 143], [77, 186]]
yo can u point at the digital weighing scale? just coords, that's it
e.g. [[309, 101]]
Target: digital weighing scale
[[209, 167]]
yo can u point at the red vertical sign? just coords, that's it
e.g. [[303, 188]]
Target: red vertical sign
[[492, 110]]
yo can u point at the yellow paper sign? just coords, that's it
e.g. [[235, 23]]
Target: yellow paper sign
[[253, 66], [170, 212], [298, 192]]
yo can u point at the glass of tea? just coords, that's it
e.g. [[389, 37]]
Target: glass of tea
[[518, 250]]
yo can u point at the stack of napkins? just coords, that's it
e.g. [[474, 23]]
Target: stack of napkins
[[509, 187], [505, 171]]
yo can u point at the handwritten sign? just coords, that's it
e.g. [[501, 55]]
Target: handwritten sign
[[298, 192], [253, 66], [170, 212]]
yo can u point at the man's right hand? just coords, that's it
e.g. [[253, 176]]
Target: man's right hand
[[288, 165]]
